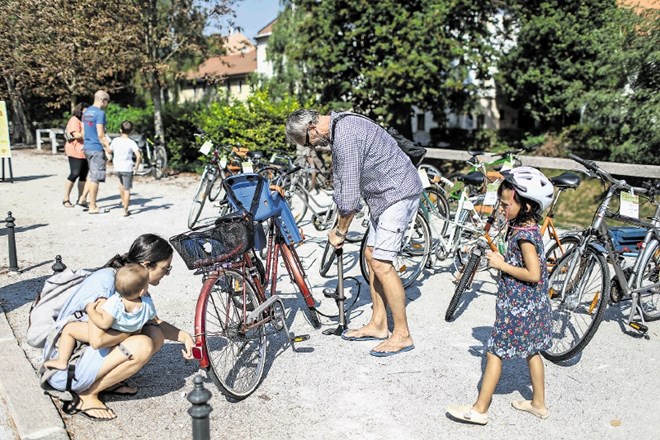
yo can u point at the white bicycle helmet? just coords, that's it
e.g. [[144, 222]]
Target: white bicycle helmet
[[531, 184]]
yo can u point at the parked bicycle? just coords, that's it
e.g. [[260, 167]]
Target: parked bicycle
[[580, 285], [154, 156], [238, 307]]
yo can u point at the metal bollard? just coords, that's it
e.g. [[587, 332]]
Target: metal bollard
[[200, 410], [11, 235], [58, 266]]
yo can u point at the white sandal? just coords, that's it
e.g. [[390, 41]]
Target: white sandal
[[467, 414]]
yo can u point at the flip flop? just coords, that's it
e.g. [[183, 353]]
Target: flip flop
[[359, 338], [115, 389], [391, 353], [85, 413], [98, 211], [67, 204], [83, 205]]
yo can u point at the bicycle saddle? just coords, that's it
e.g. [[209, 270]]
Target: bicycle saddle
[[255, 154], [566, 180], [474, 178], [476, 152]]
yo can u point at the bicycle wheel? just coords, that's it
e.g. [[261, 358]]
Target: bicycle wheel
[[160, 162], [327, 259], [469, 271], [436, 211], [199, 199], [296, 198], [468, 230], [217, 188], [297, 273], [555, 252], [579, 288], [271, 173], [647, 280], [414, 253], [236, 352]]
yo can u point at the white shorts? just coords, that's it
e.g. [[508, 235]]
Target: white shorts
[[385, 235]]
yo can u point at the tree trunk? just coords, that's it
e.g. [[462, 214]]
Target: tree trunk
[[158, 105], [21, 131]]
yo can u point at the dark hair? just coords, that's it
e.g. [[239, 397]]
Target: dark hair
[[147, 247], [126, 127], [78, 109], [529, 209]]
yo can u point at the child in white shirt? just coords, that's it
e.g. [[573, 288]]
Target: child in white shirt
[[123, 149]]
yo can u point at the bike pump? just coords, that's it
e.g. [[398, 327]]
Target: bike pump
[[338, 295]]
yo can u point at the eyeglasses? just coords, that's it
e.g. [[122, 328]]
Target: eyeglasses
[[307, 144], [167, 270]]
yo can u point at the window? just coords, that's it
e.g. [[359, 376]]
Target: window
[[421, 122]]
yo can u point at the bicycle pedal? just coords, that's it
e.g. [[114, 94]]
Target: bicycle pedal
[[298, 338], [639, 327]]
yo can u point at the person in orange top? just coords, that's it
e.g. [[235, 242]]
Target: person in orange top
[[77, 161]]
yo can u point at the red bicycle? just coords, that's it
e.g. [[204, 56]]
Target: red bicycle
[[238, 307]]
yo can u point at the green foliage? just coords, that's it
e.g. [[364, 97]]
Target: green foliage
[[384, 57], [257, 123], [142, 118], [588, 70], [180, 128]]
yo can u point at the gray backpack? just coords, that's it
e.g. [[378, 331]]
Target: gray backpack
[[48, 304]]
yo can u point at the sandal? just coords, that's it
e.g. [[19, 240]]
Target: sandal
[[116, 389], [86, 413], [71, 406], [67, 204], [83, 205]]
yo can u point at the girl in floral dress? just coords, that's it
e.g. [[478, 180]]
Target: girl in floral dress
[[523, 323]]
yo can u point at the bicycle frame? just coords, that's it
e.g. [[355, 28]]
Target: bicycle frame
[[599, 237]]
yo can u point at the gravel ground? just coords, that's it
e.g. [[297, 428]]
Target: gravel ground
[[329, 388]]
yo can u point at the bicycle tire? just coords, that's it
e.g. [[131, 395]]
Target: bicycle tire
[[418, 246], [649, 298], [327, 259], [160, 162], [297, 200], [554, 252], [297, 274], [436, 208], [217, 188], [237, 357], [469, 272], [199, 199], [568, 307]]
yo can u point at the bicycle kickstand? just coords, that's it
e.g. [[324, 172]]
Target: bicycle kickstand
[[338, 296], [279, 318]]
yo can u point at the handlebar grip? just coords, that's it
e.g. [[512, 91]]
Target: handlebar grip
[[588, 164], [292, 170]]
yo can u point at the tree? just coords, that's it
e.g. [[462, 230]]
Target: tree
[[172, 33], [59, 51], [589, 70], [383, 58]]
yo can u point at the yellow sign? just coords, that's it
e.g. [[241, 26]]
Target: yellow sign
[[5, 148]]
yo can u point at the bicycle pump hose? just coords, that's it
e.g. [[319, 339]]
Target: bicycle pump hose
[[340, 287]]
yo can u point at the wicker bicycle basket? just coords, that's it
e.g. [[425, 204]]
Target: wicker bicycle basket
[[227, 240]]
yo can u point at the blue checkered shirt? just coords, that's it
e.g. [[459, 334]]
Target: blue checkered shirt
[[366, 160]]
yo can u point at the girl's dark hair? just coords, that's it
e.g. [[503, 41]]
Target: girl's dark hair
[[147, 247], [529, 209], [78, 109]]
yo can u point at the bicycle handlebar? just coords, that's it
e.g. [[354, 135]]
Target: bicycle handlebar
[[594, 169]]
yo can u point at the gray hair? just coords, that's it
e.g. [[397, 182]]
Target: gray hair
[[297, 123]]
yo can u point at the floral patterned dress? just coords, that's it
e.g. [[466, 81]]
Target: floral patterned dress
[[523, 322]]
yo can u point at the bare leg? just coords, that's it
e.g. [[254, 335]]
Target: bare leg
[[377, 326], [489, 381], [82, 195], [125, 197], [93, 193], [388, 286], [537, 373], [68, 186], [72, 332], [117, 367]]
